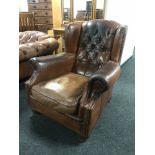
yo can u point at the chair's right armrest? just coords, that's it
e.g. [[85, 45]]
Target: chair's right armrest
[[47, 67]]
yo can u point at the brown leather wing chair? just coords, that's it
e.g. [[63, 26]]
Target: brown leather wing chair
[[74, 87]]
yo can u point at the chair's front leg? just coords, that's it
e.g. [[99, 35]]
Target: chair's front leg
[[90, 110]]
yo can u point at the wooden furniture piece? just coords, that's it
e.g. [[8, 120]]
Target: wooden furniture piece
[[43, 13], [94, 9], [59, 32], [26, 21], [74, 87], [33, 44], [81, 15], [65, 11], [59, 35]]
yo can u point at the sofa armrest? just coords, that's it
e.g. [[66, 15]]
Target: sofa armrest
[[103, 79], [37, 48], [47, 67]]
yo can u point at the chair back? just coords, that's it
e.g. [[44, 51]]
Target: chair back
[[26, 21], [95, 42]]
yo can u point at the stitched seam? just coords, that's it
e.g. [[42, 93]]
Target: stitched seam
[[56, 99]]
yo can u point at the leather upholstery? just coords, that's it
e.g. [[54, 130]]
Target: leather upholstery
[[103, 79], [95, 46], [32, 36], [62, 93], [49, 67], [33, 44], [86, 72], [25, 69]]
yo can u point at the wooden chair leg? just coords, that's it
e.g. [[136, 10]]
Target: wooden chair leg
[[36, 113], [82, 139]]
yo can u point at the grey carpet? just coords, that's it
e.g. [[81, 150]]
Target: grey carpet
[[114, 133]]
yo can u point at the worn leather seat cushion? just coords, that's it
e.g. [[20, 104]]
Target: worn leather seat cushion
[[62, 93]]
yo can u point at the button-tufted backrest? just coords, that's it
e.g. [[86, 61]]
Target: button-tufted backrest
[[97, 41], [32, 36]]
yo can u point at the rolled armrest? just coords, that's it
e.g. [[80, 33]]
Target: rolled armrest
[[103, 79], [37, 48], [52, 66]]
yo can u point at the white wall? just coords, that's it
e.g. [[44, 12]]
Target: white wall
[[23, 7], [66, 3], [100, 4], [123, 11], [79, 5]]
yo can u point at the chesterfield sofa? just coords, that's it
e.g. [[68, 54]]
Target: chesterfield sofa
[[74, 87], [33, 44]]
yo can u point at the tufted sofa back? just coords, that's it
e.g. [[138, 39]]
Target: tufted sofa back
[[95, 42], [32, 36], [34, 44]]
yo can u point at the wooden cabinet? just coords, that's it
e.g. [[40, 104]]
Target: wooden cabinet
[[43, 13]]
